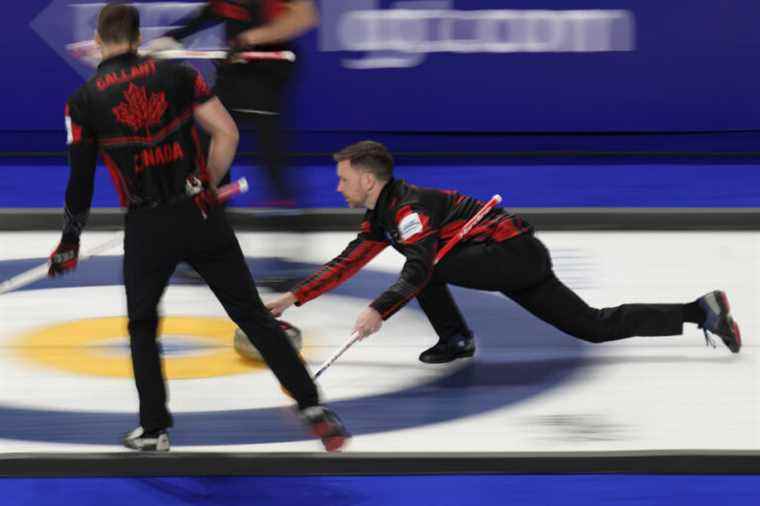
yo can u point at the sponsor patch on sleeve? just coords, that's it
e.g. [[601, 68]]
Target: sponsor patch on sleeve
[[409, 226]]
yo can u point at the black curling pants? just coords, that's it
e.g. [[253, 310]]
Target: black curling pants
[[156, 240]]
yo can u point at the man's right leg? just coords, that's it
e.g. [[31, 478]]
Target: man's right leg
[[555, 303], [558, 305], [521, 268], [455, 339]]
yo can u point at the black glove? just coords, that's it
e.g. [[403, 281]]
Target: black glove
[[63, 259]]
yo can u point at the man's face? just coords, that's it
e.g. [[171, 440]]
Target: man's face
[[352, 184]]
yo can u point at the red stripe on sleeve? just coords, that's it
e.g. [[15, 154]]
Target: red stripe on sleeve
[[74, 130], [117, 178], [202, 91], [338, 271], [200, 156], [450, 230]]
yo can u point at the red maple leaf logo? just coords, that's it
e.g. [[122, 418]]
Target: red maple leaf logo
[[137, 111]]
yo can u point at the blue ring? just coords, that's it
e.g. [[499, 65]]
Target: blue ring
[[481, 386]]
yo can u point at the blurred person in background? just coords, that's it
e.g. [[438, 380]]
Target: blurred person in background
[[255, 91]]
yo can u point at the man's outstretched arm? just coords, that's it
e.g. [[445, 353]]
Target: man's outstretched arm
[[356, 255]]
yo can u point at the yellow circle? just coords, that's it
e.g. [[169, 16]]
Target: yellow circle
[[78, 347]]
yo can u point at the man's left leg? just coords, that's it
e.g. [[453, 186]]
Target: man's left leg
[[218, 258], [225, 271], [455, 339]]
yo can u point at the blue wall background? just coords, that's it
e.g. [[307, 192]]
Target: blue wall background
[[666, 67], [42, 183], [674, 79]]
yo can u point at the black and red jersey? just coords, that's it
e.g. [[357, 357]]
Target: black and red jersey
[[237, 16], [417, 222], [137, 113]]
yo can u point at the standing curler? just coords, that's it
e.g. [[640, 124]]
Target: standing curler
[[141, 115]]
